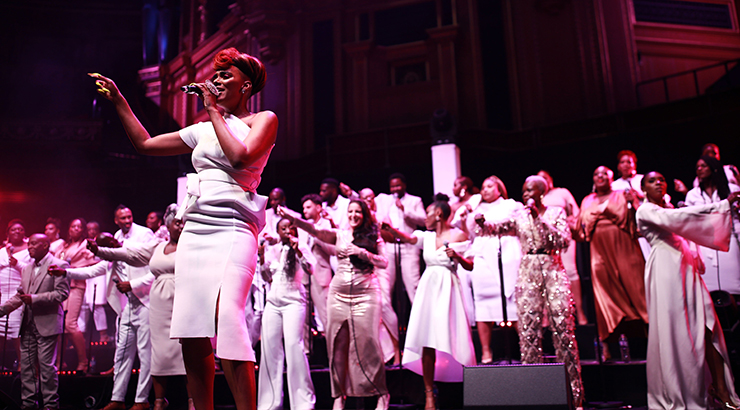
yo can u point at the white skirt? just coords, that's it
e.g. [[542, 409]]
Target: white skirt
[[214, 265]]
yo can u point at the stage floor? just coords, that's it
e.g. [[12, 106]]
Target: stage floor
[[610, 382]]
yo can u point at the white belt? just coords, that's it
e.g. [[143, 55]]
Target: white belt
[[193, 187]]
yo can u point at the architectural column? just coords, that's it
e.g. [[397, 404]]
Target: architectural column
[[358, 98], [444, 39]]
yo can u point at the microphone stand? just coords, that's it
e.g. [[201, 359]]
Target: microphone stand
[[5, 342], [90, 324], [309, 317], [402, 324], [506, 326]]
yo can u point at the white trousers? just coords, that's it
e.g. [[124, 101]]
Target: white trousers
[[409, 267], [319, 296], [133, 337], [99, 317], [282, 340], [388, 317]]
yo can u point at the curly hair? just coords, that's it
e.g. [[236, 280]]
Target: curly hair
[[250, 66]]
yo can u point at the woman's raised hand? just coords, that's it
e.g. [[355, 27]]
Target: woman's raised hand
[[106, 87]]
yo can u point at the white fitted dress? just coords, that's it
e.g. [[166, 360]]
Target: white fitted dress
[[217, 251]]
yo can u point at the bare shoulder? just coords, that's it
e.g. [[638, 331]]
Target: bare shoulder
[[457, 235], [262, 118]]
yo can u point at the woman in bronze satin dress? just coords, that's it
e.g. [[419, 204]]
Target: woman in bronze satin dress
[[607, 221], [356, 364]]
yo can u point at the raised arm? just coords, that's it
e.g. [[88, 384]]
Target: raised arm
[[396, 234], [88, 272], [324, 235], [134, 256], [161, 145]]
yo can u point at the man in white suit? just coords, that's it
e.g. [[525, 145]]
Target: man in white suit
[[41, 297], [404, 212], [322, 252], [133, 317]]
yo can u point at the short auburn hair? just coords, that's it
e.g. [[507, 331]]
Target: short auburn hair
[[250, 66]]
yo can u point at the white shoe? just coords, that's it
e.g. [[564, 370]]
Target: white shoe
[[383, 402], [339, 403]]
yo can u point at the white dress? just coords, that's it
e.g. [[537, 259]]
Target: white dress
[[723, 268], [679, 305], [484, 278], [217, 251], [438, 319], [10, 280]]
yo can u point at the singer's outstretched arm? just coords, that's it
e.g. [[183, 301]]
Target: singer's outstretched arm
[[161, 145]]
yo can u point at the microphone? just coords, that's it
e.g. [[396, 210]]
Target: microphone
[[10, 249], [116, 280], [395, 195], [262, 241], [530, 203], [20, 290], [447, 245], [193, 89], [629, 203]]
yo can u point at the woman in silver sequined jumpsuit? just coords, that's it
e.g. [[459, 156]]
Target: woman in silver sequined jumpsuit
[[542, 282]]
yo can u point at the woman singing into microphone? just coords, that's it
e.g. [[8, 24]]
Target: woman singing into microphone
[[542, 283], [223, 214]]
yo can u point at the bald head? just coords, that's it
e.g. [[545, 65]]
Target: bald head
[[368, 196], [277, 197], [38, 246]]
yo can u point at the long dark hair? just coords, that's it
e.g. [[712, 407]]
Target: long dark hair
[[718, 177], [365, 236]]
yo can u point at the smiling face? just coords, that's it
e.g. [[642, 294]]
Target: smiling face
[[230, 83], [76, 230], [16, 233], [489, 190], [655, 187], [38, 246], [124, 219], [603, 178], [354, 215], [368, 196]]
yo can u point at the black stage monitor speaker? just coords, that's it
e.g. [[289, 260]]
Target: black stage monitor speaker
[[526, 386]]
